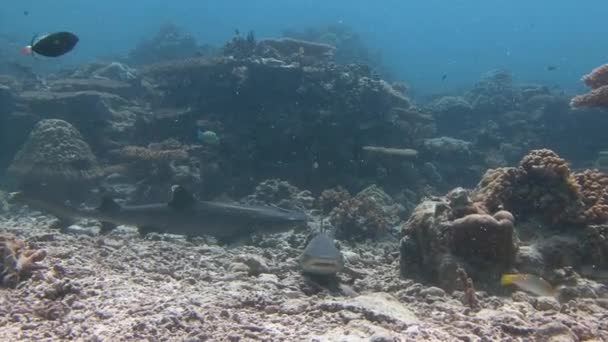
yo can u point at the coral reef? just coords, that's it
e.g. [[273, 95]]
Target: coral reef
[[345, 103], [561, 217], [17, 261], [349, 46], [55, 157], [597, 80], [169, 43]]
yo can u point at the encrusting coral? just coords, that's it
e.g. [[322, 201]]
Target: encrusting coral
[[451, 232], [147, 154], [597, 80], [17, 261]]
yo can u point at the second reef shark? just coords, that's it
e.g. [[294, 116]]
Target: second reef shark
[[183, 214]]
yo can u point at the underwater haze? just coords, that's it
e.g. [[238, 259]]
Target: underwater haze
[[419, 41]]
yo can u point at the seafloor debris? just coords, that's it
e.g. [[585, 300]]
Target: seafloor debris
[[470, 297], [18, 261], [597, 80]]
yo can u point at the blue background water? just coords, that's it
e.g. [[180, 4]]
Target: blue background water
[[419, 40]]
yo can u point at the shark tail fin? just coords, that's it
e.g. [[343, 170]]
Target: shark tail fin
[[108, 205]]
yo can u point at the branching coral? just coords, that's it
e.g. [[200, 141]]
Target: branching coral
[[597, 80], [17, 261]]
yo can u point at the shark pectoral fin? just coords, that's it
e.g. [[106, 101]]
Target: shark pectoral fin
[[145, 230], [106, 227], [181, 198], [108, 205]]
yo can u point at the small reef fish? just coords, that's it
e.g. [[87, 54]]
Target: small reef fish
[[530, 283], [183, 214], [51, 45], [207, 137], [551, 67], [321, 256]]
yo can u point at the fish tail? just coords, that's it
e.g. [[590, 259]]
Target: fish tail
[[508, 278], [26, 50]]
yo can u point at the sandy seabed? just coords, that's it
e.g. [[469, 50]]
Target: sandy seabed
[[123, 287]]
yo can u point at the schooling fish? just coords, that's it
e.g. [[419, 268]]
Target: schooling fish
[[530, 283], [183, 214], [321, 257], [52, 44]]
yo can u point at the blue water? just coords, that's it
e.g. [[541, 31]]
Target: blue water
[[420, 41]]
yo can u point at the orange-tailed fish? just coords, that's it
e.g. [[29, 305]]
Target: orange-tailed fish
[[530, 283], [52, 44]]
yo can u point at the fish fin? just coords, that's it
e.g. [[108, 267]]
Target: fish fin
[[106, 227], [108, 205], [181, 198], [508, 278], [145, 230], [34, 39]]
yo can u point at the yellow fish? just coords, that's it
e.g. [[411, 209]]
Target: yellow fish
[[530, 283]]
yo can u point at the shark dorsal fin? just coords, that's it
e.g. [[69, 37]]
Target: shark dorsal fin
[[108, 205], [181, 198]]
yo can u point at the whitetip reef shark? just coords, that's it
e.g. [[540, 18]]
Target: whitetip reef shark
[[321, 257], [183, 214]]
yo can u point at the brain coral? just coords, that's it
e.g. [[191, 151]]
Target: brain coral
[[55, 151]]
